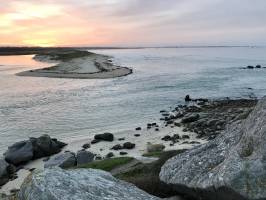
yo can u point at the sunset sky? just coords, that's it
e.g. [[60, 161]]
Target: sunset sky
[[132, 22]]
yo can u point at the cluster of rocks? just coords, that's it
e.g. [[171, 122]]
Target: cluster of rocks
[[207, 118], [253, 67], [25, 151], [176, 138], [232, 166]]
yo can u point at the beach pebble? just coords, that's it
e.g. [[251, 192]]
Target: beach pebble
[[122, 153], [109, 155], [120, 139], [138, 128], [117, 147], [136, 135]]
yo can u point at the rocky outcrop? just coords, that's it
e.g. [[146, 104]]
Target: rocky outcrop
[[63, 160], [82, 184], [232, 166], [34, 148]]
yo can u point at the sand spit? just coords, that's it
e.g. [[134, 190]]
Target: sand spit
[[77, 64]]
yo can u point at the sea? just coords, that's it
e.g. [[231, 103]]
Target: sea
[[70, 109]]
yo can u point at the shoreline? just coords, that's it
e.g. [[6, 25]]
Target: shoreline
[[75, 64], [163, 133]]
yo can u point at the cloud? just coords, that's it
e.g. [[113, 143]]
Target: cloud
[[133, 22]]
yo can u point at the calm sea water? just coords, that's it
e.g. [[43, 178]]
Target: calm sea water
[[68, 109]]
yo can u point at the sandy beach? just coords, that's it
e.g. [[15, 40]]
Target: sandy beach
[[103, 148], [77, 64]]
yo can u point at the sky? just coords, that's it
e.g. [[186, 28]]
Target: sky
[[132, 22]]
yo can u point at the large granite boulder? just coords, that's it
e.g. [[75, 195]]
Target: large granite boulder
[[19, 153], [232, 166], [82, 184], [34, 148], [63, 160]]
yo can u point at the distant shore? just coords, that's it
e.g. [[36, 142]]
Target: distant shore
[[71, 63]]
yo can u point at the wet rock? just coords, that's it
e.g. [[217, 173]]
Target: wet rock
[[187, 98], [157, 129], [258, 66], [128, 145], [104, 137], [138, 128], [250, 67], [136, 135], [121, 139], [82, 184], [84, 157], [167, 138], [63, 160]]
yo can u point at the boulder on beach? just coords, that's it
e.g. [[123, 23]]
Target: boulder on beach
[[105, 137], [232, 166], [19, 153], [84, 157], [155, 147], [34, 148], [82, 184], [63, 160]]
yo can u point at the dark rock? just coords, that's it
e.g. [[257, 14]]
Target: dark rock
[[84, 157], [136, 135], [258, 66], [86, 146], [128, 145], [185, 137], [177, 124], [187, 98], [191, 118], [138, 128], [45, 146], [122, 153], [167, 138], [157, 129], [105, 137], [95, 141], [250, 67], [117, 147], [19, 153], [121, 139], [110, 155]]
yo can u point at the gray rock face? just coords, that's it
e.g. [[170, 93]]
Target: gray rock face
[[63, 160], [82, 184], [84, 157], [232, 166], [19, 152], [4, 174]]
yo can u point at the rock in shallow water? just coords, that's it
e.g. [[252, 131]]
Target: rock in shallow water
[[232, 166], [82, 184]]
